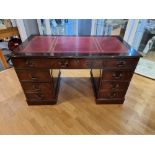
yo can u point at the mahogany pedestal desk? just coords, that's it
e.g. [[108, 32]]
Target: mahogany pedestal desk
[[39, 59]]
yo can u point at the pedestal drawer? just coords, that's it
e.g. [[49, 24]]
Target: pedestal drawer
[[111, 94], [113, 85], [30, 87], [34, 75], [39, 96]]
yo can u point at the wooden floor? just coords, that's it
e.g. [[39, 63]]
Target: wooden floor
[[76, 111]]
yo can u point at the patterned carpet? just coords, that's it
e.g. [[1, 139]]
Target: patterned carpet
[[146, 68]]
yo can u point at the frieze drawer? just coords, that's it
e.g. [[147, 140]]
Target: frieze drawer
[[117, 75], [121, 63]]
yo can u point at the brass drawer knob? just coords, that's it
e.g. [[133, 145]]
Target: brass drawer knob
[[36, 88], [89, 64], [34, 78], [117, 75], [121, 63], [63, 64], [115, 86], [40, 96], [113, 94], [77, 61], [29, 63]]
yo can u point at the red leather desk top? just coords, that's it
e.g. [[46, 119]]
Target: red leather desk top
[[74, 45]]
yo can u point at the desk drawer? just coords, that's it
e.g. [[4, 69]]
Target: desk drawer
[[111, 94], [33, 75], [39, 96], [83, 63], [113, 85], [54, 63], [33, 62], [86, 63], [36, 87], [120, 63], [117, 75]]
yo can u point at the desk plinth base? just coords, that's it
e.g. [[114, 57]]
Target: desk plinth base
[[48, 102]]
